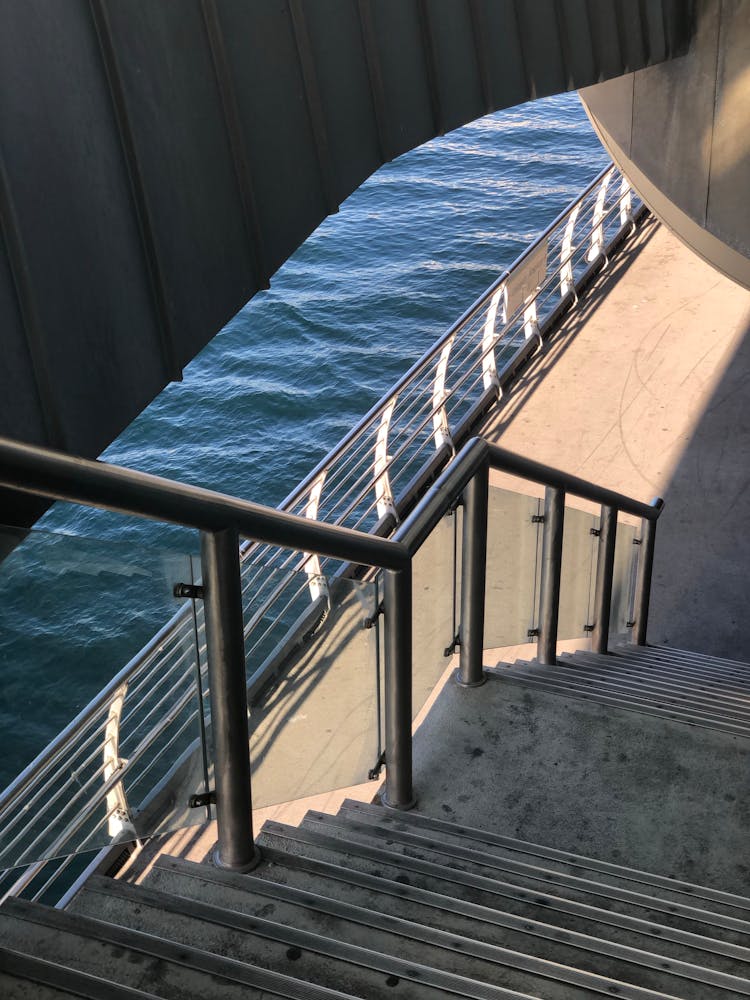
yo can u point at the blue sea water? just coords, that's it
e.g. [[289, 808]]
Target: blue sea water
[[366, 294]]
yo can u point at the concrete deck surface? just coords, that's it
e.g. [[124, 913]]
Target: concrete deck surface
[[644, 390], [616, 785]]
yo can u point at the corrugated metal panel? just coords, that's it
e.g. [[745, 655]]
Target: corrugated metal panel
[[162, 160]]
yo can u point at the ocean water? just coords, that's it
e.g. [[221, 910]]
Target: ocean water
[[357, 304]]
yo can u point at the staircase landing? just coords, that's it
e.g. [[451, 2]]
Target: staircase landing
[[641, 758]]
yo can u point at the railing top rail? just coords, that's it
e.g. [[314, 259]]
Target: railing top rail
[[476, 452], [56, 476], [527, 468]]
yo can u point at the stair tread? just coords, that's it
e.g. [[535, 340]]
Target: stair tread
[[412, 818], [629, 703], [493, 893], [29, 977], [648, 975], [144, 960], [536, 874], [366, 971]]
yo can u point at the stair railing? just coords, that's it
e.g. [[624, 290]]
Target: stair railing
[[222, 520]]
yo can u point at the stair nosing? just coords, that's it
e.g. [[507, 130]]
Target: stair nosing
[[578, 674], [617, 664], [526, 926], [620, 671], [81, 984], [306, 940], [435, 937], [165, 949], [642, 708], [508, 890], [561, 879], [692, 890]]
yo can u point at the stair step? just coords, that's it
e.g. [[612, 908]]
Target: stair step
[[550, 857], [142, 961], [535, 878], [652, 966], [323, 908], [26, 977], [549, 908], [611, 679], [686, 655], [313, 957], [583, 691], [721, 672], [671, 681]]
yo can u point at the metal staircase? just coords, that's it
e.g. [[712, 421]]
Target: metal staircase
[[370, 903], [672, 684]]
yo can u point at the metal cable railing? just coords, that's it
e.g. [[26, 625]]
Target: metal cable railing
[[135, 735]]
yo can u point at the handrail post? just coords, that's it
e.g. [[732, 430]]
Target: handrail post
[[473, 576], [645, 572], [399, 791], [549, 602], [225, 643], [605, 565]]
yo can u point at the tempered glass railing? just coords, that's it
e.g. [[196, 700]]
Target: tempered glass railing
[[72, 610], [314, 702]]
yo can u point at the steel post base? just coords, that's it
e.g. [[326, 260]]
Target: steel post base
[[239, 869], [469, 684], [405, 807]]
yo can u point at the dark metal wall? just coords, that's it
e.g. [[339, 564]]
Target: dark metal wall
[[160, 160], [681, 133]]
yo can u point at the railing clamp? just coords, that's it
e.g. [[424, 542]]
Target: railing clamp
[[191, 590], [374, 773], [589, 628], [537, 518], [595, 532], [372, 619], [630, 624], [637, 541], [202, 799], [533, 633], [454, 645]]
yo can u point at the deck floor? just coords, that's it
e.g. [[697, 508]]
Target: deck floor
[[645, 391]]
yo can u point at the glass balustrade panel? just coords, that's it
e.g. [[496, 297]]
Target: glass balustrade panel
[[312, 665], [94, 643], [513, 563], [434, 578], [578, 574], [623, 581]]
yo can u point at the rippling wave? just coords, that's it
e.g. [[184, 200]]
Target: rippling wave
[[366, 294]]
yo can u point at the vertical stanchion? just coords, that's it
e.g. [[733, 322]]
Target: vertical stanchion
[[605, 565], [549, 601], [225, 644], [399, 792], [473, 575], [645, 570]]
